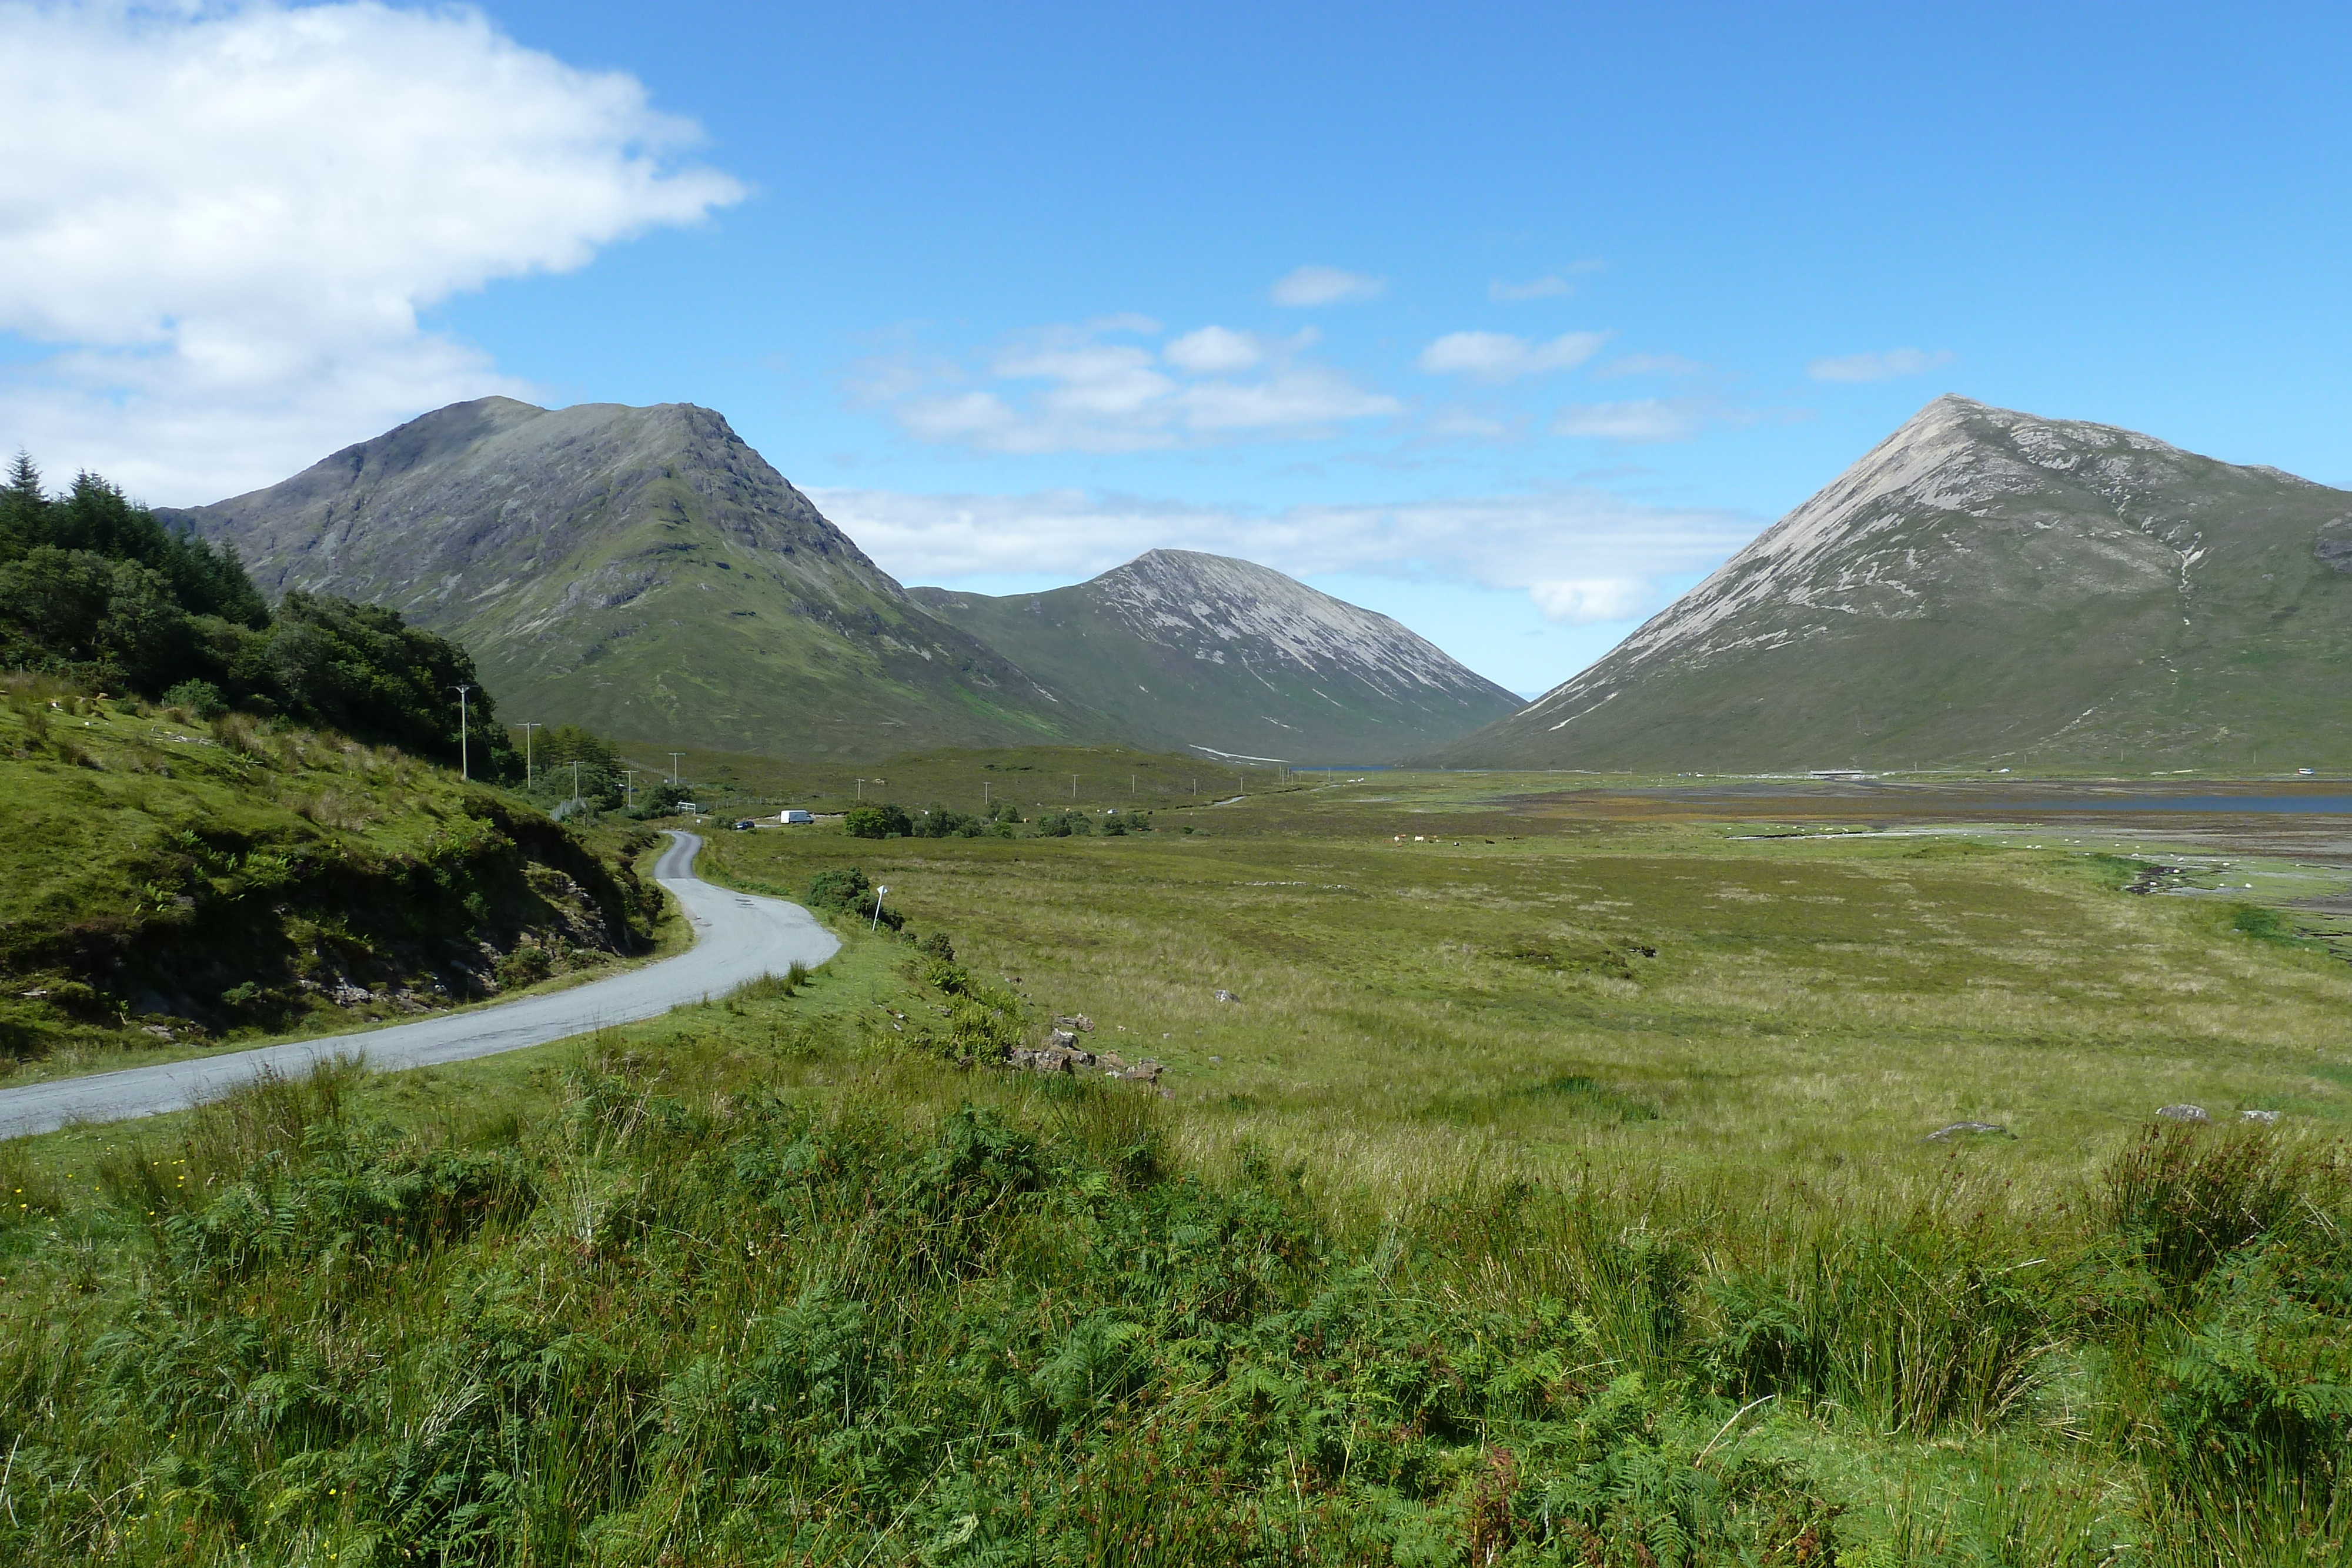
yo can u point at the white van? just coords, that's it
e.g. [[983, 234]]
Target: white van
[[790, 819]]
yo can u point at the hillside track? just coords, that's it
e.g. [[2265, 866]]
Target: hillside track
[[738, 937]]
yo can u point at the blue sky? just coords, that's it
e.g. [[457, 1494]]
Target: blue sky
[[1511, 322]]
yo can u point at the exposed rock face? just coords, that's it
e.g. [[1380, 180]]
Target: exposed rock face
[[1986, 586], [640, 569], [1216, 655]]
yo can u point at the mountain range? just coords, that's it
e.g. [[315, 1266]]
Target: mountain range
[[1988, 587], [644, 571], [1185, 651]]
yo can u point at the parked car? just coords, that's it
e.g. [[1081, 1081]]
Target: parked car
[[744, 824]]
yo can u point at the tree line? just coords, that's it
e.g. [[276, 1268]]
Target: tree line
[[97, 588]]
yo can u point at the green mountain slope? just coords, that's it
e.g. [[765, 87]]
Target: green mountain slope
[[1204, 653], [640, 570], [171, 884], [1989, 588]]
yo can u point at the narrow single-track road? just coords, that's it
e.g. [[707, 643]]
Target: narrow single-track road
[[738, 937]]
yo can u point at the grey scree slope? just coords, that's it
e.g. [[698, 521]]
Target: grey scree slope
[[738, 937]]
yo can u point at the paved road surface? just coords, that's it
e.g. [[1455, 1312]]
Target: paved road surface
[[738, 937]]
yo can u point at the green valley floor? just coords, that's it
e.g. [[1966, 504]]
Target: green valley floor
[[1557, 1185]]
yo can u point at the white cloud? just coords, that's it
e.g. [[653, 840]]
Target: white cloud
[[1075, 388], [1640, 419], [1582, 555], [1500, 357], [1325, 285], [1584, 602], [1649, 365], [220, 224], [1551, 286], [1888, 366]]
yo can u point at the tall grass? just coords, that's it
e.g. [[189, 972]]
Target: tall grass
[[981, 1319]]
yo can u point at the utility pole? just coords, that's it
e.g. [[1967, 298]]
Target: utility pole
[[465, 755], [1130, 786], [628, 788], [575, 781], [673, 765], [861, 791], [984, 795], [1074, 786], [526, 752]]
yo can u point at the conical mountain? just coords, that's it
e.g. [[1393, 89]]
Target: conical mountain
[[1206, 654], [1989, 588], [641, 570]]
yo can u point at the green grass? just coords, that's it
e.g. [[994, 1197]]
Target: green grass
[[172, 886], [1563, 1198]]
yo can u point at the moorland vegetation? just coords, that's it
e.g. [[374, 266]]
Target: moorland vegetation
[[1550, 1190]]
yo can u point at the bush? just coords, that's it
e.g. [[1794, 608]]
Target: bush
[[525, 966], [883, 821], [848, 891], [201, 698]]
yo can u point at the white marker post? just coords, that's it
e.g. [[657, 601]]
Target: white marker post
[[878, 910]]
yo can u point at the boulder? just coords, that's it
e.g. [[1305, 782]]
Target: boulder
[[2183, 1113], [1079, 1021], [1224, 996], [2265, 1117]]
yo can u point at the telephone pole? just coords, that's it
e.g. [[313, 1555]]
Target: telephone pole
[[673, 765], [465, 755], [575, 781], [526, 752]]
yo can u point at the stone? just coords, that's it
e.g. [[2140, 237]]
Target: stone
[[2183, 1113], [1079, 1021], [1050, 1058], [1144, 1072], [1958, 1128], [1225, 996], [1111, 1061], [157, 1029], [2265, 1117], [1063, 1038]]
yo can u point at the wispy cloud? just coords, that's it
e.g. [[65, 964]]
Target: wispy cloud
[[1312, 286], [1500, 357], [223, 221], [1551, 286], [1886, 367], [1649, 365], [1090, 388], [1639, 420], [1582, 556]]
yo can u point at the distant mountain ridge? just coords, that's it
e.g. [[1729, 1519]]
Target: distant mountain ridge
[[643, 570], [1192, 652], [639, 569], [1987, 586]]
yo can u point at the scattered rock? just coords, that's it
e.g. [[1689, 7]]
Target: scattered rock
[[1959, 1127], [1065, 1039], [1144, 1072], [1224, 996], [2183, 1113], [1052, 1059], [1079, 1021], [157, 1029], [35, 993], [2265, 1117], [347, 995]]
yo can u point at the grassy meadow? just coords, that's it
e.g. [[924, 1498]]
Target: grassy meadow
[[1558, 1189]]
